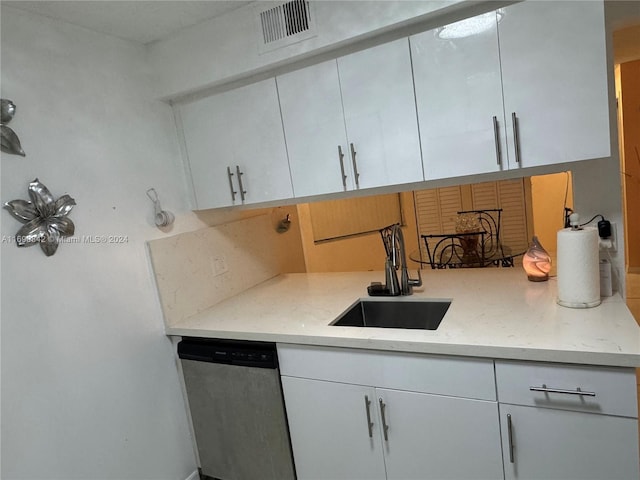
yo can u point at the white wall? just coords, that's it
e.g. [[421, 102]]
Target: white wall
[[597, 191], [227, 47], [597, 184], [89, 384]]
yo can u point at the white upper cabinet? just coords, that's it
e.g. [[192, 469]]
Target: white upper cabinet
[[529, 89], [351, 123], [313, 121], [235, 147], [380, 115], [541, 65], [459, 100], [554, 74]]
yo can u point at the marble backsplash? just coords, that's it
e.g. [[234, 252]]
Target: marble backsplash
[[196, 270]]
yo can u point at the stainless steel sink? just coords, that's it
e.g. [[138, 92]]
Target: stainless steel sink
[[416, 314]]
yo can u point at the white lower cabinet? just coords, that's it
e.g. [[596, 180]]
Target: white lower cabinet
[[364, 414], [549, 444], [342, 431], [568, 422], [439, 437], [328, 429], [351, 431]]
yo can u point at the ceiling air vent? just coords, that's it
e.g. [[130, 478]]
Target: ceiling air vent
[[285, 24]]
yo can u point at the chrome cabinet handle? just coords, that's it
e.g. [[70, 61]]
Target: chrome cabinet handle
[[510, 434], [496, 137], [516, 136], [577, 391], [385, 427], [243, 192], [356, 175], [233, 192], [367, 403], [341, 157]]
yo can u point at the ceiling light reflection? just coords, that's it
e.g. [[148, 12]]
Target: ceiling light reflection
[[470, 26]]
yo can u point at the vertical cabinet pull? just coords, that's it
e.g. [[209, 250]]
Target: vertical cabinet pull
[[367, 404], [233, 192], [341, 158], [242, 190], [516, 136], [510, 435], [496, 138], [356, 175], [385, 427]]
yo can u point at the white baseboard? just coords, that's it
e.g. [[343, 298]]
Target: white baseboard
[[194, 476]]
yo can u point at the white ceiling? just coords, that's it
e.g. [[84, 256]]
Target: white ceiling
[[143, 21]]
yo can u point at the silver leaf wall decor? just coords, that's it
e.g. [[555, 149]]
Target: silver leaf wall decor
[[9, 141], [45, 219]]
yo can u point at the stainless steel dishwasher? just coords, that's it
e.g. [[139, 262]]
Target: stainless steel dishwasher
[[237, 409]]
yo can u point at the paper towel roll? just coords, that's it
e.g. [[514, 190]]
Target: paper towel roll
[[578, 268]]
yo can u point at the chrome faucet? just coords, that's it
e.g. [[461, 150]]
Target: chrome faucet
[[397, 259]]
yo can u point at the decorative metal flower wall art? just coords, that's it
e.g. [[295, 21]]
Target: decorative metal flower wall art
[[9, 141], [45, 219]]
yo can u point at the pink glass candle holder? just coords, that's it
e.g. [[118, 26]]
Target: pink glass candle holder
[[536, 262]]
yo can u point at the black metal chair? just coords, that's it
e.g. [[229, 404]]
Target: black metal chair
[[456, 250], [470, 249], [491, 222]]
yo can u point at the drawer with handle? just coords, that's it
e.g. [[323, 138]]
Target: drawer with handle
[[603, 390]]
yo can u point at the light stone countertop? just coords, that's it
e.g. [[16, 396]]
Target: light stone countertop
[[494, 313]]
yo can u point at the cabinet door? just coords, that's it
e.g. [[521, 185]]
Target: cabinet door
[[209, 151], [439, 437], [459, 100], [554, 73], [240, 129], [314, 129], [380, 115], [329, 430], [550, 444]]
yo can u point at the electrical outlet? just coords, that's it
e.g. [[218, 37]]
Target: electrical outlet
[[614, 236], [611, 243], [219, 265]]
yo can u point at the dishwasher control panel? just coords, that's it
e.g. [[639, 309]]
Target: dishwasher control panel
[[229, 352]]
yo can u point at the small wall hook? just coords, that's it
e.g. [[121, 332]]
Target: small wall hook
[[284, 224], [162, 217]]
